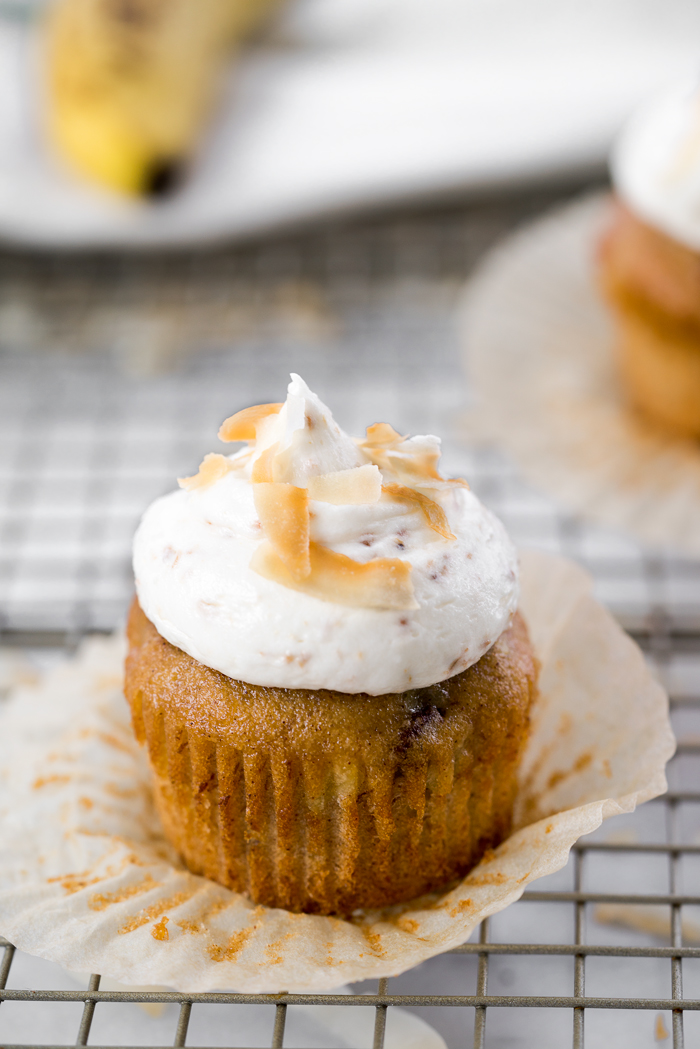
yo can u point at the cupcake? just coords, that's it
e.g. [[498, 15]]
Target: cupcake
[[326, 664], [650, 260]]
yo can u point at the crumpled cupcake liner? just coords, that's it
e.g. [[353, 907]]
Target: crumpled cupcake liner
[[88, 880]]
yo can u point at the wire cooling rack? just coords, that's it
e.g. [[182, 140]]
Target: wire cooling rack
[[114, 376]]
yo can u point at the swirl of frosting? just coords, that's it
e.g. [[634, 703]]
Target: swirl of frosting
[[312, 560], [655, 163]]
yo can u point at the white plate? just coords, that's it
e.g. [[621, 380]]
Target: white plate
[[359, 102]]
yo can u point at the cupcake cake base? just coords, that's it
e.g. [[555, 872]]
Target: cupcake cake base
[[322, 801], [652, 285]]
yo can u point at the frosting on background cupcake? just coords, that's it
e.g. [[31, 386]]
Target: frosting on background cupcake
[[312, 560], [656, 163]]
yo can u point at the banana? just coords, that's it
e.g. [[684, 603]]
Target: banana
[[130, 82]]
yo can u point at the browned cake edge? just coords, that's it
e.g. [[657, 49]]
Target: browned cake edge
[[657, 346], [321, 801]]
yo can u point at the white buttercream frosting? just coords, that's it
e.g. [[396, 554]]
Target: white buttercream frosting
[[656, 163], [194, 580]]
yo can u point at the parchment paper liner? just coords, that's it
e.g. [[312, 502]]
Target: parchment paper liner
[[539, 349], [86, 878]]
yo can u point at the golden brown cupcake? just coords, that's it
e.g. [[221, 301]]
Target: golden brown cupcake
[[650, 261], [326, 665]]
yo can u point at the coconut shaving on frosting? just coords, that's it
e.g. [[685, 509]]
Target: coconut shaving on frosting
[[312, 560], [656, 163]]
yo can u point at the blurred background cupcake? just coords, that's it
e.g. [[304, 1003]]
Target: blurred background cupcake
[[650, 258]]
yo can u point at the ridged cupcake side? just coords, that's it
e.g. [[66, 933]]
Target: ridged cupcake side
[[324, 802]]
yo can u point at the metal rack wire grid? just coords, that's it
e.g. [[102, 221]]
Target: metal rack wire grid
[[603, 953]]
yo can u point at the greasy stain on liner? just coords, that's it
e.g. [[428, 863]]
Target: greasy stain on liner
[[155, 911]]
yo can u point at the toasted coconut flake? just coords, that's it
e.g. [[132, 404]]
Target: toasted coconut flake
[[263, 467], [418, 469], [382, 584], [421, 470], [382, 434], [242, 426], [399, 456], [444, 484], [361, 484], [410, 467], [283, 510], [211, 469], [434, 515], [421, 466]]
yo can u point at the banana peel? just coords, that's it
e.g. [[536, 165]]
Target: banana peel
[[131, 82]]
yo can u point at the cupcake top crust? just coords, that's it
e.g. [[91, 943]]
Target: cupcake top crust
[[656, 163], [310, 559]]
